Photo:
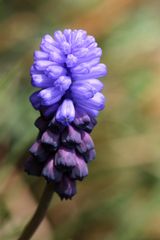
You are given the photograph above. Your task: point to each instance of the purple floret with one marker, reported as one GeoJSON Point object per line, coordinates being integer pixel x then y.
{"type": "Point", "coordinates": [65, 71]}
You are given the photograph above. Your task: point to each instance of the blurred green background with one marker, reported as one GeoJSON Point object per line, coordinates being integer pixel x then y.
{"type": "Point", "coordinates": [120, 199]}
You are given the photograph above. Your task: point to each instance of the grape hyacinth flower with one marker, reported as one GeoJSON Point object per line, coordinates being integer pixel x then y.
{"type": "Point", "coordinates": [65, 71]}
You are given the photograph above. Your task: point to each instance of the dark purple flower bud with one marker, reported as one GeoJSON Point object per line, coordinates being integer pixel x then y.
{"type": "Point", "coordinates": [33, 167]}
{"type": "Point", "coordinates": [89, 127]}
{"type": "Point", "coordinates": [90, 155]}
{"type": "Point", "coordinates": [38, 151]}
{"type": "Point", "coordinates": [80, 170]}
{"type": "Point", "coordinates": [71, 136]}
{"type": "Point", "coordinates": [41, 124]}
{"type": "Point", "coordinates": [56, 127]}
{"type": "Point", "coordinates": [86, 144]}
{"type": "Point", "coordinates": [81, 119]}
{"type": "Point", "coordinates": [65, 157]}
{"type": "Point", "coordinates": [50, 172]}
{"type": "Point", "coordinates": [66, 188]}
{"type": "Point", "coordinates": [51, 139]}
{"type": "Point", "coordinates": [49, 111]}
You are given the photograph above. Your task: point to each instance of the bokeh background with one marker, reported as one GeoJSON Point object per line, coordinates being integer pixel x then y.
{"type": "Point", "coordinates": [120, 199]}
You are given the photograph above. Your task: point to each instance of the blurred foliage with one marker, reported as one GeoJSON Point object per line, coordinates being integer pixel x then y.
{"type": "Point", "coordinates": [4, 212]}
{"type": "Point", "coordinates": [120, 200]}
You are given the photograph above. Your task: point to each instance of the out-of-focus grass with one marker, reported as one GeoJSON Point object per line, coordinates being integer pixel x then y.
{"type": "Point", "coordinates": [120, 198]}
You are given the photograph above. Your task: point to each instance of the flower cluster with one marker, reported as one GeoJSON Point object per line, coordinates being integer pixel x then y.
{"type": "Point", "coordinates": [66, 71]}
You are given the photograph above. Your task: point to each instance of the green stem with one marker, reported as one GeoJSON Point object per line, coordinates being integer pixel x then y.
{"type": "Point", "coordinates": [39, 214]}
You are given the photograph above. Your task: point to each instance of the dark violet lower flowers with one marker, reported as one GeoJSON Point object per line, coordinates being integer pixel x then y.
{"type": "Point", "coordinates": [66, 71]}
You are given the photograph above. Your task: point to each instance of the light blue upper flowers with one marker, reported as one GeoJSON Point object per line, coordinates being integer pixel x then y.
{"type": "Point", "coordinates": [66, 69]}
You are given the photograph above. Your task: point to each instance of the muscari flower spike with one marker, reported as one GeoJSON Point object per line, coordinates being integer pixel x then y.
{"type": "Point", "coordinates": [66, 71]}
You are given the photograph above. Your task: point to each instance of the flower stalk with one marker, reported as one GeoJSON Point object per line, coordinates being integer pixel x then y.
{"type": "Point", "coordinates": [39, 214]}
